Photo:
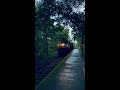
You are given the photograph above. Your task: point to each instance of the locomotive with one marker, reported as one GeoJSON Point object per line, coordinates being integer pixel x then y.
{"type": "Point", "coordinates": [64, 47]}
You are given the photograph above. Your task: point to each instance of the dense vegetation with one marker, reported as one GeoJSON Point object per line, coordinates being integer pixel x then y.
{"type": "Point", "coordinates": [51, 18]}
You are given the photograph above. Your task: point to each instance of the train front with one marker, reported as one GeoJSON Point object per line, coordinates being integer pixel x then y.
{"type": "Point", "coordinates": [63, 48]}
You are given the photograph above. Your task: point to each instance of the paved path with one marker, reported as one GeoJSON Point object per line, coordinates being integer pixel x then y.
{"type": "Point", "coordinates": [71, 76]}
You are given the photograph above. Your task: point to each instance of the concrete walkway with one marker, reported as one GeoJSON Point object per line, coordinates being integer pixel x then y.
{"type": "Point", "coordinates": [70, 77]}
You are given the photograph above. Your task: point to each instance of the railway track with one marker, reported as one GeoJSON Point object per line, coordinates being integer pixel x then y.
{"type": "Point", "coordinates": [43, 70]}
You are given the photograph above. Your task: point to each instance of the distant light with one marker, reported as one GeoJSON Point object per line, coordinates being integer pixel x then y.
{"type": "Point", "coordinates": [67, 45]}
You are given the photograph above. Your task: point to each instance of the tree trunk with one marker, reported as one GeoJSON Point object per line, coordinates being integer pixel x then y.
{"type": "Point", "coordinates": [46, 44]}
{"type": "Point", "coordinates": [82, 41]}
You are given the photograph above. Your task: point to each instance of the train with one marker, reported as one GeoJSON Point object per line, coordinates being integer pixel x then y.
{"type": "Point", "coordinates": [65, 46]}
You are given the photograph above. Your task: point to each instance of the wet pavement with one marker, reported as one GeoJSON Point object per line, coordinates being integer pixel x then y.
{"type": "Point", "coordinates": [71, 76]}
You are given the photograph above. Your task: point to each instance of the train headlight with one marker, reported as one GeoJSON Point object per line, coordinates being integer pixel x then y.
{"type": "Point", "coordinates": [62, 45]}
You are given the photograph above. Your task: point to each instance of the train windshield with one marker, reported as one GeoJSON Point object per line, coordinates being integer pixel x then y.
{"type": "Point", "coordinates": [63, 41]}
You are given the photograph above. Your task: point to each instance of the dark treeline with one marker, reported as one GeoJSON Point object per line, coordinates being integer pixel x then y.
{"type": "Point", "coordinates": [51, 17]}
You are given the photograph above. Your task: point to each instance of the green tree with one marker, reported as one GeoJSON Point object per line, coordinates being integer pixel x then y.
{"type": "Point", "coordinates": [46, 33]}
